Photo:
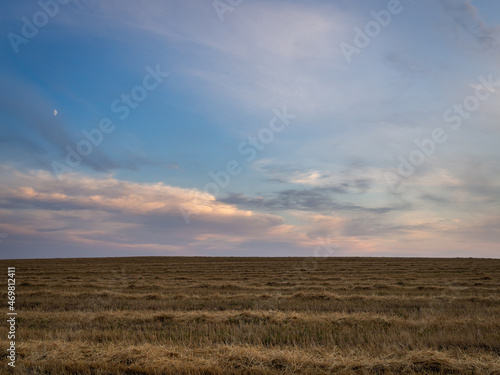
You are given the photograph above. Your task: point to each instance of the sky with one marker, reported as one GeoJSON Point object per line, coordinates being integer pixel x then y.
{"type": "Point", "coordinates": [249, 128]}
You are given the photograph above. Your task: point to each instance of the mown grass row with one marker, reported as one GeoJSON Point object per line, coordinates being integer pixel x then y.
{"type": "Point", "coordinates": [42, 357]}
{"type": "Point", "coordinates": [373, 333]}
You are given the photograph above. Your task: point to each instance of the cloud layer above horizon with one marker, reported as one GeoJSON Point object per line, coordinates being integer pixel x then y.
{"type": "Point", "coordinates": [166, 128]}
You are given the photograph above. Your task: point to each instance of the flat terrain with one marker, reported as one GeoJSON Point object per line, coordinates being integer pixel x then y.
{"type": "Point", "coordinates": [178, 315]}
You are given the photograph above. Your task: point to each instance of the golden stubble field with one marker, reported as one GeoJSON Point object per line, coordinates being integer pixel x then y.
{"type": "Point", "coordinates": [174, 315]}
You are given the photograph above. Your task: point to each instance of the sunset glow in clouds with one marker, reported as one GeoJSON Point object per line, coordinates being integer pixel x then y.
{"type": "Point", "coordinates": [267, 128]}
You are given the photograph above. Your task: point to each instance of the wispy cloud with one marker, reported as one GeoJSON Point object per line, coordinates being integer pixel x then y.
{"type": "Point", "coordinates": [467, 16]}
{"type": "Point", "coordinates": [277, 52]}
{"type": "Point", "coordinates": [323, 200]}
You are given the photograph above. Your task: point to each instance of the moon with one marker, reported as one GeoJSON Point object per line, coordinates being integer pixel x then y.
{"type": "Point", "coordinates": [55, 112]}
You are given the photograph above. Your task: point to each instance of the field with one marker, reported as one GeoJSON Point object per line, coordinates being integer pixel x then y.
{"type": "Point", "coordinates": [174, 315]}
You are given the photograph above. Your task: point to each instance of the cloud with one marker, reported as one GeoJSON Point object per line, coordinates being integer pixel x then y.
{"type": "Point", "coordinates": [83, 215]}
{"type": "Point", "coordinates": [314, 200]}
{"type": "Point", "coordinates": [264, 54]}
{"type": "Point", "coordinates": [355, 178]}
{"type": "Point", "coordinates": [467, 16]}
{"type": "Point", "coordinates": [287, 58]}
{"type": "Point", "coordinates": [109, 214]}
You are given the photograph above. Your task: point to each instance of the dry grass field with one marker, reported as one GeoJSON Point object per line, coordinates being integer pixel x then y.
{"type": "Point", "coordinates": [170, 315]}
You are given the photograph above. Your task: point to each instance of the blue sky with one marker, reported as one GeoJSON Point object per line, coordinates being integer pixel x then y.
{"type": "Point", "coordinates": [316, 150]}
